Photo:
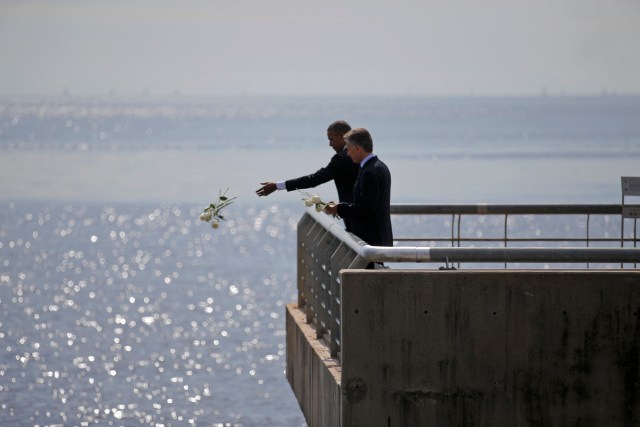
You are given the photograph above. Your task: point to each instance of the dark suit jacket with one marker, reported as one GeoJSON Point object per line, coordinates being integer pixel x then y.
{"type": "Point", "coordinates": [340, 169]}
{"type": "Point", "coordinates": [370, 210]}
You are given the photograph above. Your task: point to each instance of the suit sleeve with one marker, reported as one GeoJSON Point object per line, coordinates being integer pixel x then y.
{"type": "Point", "coordinates": [325, 174]}
{"type": "Point", "coordinates": [368, 200]}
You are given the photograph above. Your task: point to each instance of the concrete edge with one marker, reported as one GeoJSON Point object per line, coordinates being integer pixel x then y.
{"type": "Point", "coordinates": [320, 349]}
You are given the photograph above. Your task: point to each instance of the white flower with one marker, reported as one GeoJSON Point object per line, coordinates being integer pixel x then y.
{"type": "Point", "coordinates": [213, 212]}
{"type": "Point", "coordinates": [315, 200]}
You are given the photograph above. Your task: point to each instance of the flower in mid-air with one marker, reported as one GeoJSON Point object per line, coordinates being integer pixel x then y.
{"type": "Point", "coordinates": [213, 211]}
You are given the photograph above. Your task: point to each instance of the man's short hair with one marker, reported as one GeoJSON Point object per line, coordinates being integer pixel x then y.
{"type": "Point", "coordinates": [361, 137]}
{"type": "Point", "coordinates": [340, 127]}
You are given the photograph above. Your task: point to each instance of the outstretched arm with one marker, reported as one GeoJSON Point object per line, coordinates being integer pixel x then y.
{"type": "Point", "coordinates": [336, 167]}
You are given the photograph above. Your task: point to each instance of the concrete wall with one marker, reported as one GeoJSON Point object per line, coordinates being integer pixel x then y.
{"type": "Point", "coordinates": [313, 375]}
{"type": "Point", "coordinates": [489, 348]}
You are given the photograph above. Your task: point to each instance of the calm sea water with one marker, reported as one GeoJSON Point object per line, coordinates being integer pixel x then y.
{"type": "Point", "coordinates": [119, 307]}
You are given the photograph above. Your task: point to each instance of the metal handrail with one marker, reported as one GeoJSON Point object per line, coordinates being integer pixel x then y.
{"type": "Point", "coordinates": [502, 209]}
{"type": "Point", "coordinates": [479, 254]}
{"type": "Point", "coordinates": [506, 210]}
{"type": "Point", "coordinates": [523, 255]}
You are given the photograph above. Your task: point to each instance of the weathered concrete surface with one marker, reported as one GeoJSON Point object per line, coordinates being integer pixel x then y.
{"type": "Point", "coordinates": [490, 348]}
{"type": "Point", "coordinates": [313, 375]}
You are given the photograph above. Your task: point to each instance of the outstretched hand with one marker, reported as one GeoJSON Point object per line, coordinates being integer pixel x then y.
{"type": "Point", "coordinates": [266, 189]}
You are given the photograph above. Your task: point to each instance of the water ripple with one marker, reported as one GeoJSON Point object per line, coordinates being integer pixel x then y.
{"type": "Point", "coordinates": [122, 315]}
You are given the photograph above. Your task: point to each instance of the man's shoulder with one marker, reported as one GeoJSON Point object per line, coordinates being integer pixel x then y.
{"type": "Point", "coordinates": [375, 164]}
{"type": "Point", "coordinates": [380, 162]}
{"type": "Point", "coordinates": [341, 156]}
{"type": "Point", "coordinates": [343, 160]}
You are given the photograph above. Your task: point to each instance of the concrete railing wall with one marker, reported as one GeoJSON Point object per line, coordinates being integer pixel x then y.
{"type": "Point", "coordinates": [324, 248]}
{"type": "Point", "coordinates": [466, 347]}
{"type": "Point", "coordinates": [474, 348]}
{"type": "Point", "coordinates": [490, 348]}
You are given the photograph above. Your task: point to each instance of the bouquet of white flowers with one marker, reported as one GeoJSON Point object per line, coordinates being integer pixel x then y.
{"type": "Point", "coordinates": [314, 200]}
{"type": "Point", "coordinates": [213, 211]}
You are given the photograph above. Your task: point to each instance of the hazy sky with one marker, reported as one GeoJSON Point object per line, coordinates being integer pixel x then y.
{"type": "Point", "coordinates": [296, 47]}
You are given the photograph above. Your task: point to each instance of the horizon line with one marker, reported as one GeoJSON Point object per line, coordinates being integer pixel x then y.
{"type": "Point", "coordinates": [214, 96]}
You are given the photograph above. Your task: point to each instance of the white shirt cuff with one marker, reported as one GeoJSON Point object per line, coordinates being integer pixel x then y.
{"type": "Point", "coordinates": [281, 185]}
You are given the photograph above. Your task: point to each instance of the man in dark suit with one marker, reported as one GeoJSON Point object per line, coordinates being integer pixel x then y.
{"type": "Point", "coordinates": [369, 211]}
{"type": "Point", "coordinates": [340, 169]}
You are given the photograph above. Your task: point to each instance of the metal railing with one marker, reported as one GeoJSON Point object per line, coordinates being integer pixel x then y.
{"type": "Point", "coordinates": [505, 211]}
{"type": "Point", "coordinates": [325, 248]}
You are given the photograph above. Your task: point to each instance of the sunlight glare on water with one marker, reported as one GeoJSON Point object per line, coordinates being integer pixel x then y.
{"type": "Point", "coordinates": [120, 313]}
